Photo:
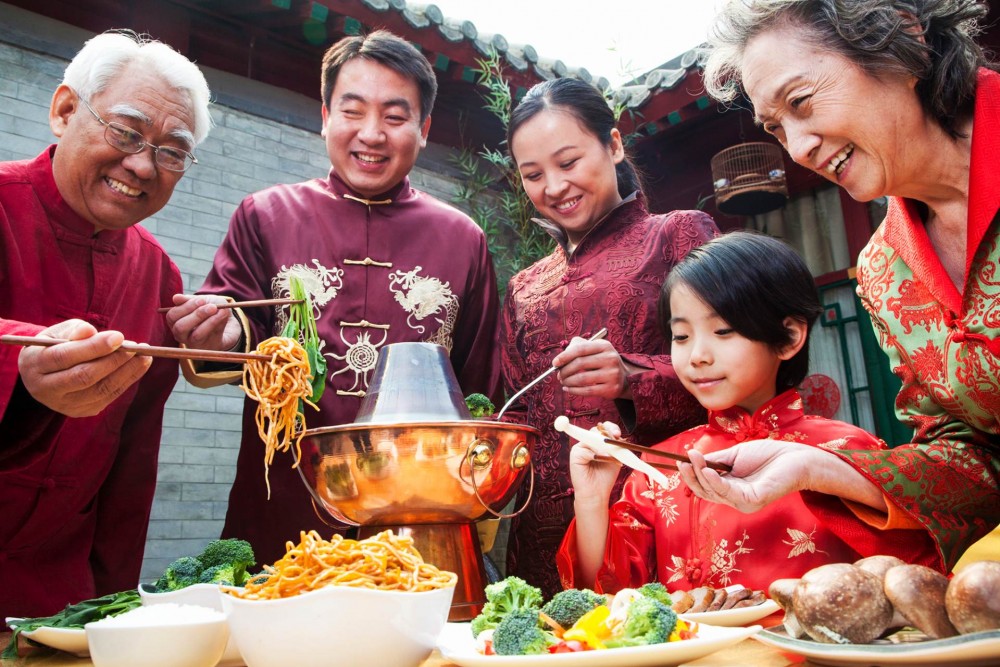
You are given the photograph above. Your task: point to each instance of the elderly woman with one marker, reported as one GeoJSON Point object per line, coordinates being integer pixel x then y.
{"type": "Point", "coordinates": [892, 98]}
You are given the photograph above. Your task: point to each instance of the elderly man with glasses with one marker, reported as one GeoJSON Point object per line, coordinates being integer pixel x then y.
{"type": "Point", "coordinates": [80, 422]}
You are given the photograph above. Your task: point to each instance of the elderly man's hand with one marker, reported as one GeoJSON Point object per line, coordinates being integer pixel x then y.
{"type": "Point", "coordinates": [196, 322]}
{"type": "Point", "coordinates": [79, 379]}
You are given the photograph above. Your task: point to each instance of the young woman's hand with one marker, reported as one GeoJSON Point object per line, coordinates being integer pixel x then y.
{"type": "Point", "coordinates": [593, 368]}
{"type": "Point", "coordinates": [766, 470]}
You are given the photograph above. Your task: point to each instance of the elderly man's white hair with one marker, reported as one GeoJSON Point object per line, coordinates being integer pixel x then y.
{"type": "Point", "coordinates": [107, 54]}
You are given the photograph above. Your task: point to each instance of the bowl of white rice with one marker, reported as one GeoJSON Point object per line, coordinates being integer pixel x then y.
{"type": "Point", "coordinates": [204, 595]}
{"type": "Point", "coordinates": [162, 635]}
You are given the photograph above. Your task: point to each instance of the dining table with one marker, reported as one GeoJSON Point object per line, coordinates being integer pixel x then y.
{"type": "Point", "coordinates": [748, 653]}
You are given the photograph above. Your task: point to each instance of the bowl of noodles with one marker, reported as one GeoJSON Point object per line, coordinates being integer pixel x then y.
{"type": "Point", "coordinates": [353, 603]}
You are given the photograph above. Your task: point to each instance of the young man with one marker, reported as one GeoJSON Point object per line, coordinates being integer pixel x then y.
{"type": "Point", "coordinates": [80, 422]}
{"type": "Point", "coordinates": [383, 263]}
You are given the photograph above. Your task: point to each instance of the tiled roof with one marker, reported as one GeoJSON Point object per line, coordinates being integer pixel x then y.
{"type": "Point", "coordinates": [526, 61]}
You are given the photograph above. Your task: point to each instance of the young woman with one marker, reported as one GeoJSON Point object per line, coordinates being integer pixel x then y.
{"type": "Point", "coordinates": [738, 311]}
{"type": "Point", "coordinates": [611, 259]}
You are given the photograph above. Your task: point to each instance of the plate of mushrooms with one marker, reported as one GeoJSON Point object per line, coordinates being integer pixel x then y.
{"type": "Point", "coordinates": [881, 611]}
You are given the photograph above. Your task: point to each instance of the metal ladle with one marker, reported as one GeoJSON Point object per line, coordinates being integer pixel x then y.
{"type": "Point", "coordinates": [510, 401]}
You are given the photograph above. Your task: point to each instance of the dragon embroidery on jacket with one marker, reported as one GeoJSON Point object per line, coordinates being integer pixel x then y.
{"type": "Point", "coordinates": [423, 297]}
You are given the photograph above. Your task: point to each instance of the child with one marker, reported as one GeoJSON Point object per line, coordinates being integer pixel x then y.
{"type": "Point", "coordinates": [738, 311]}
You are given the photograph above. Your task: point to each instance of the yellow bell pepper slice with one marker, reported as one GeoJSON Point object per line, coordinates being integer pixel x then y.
{"type": "Point", "coordinates": [590, 628]}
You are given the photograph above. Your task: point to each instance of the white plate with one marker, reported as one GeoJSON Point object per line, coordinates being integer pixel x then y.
{"type": "Point", "coordinates": [457, 645]}
{"type": "Point", "coordinates": [71, 640]}
{"type": "Point", "coordinates": [731, 618]}
{"type": "Point", "coordinates": [973, 650]}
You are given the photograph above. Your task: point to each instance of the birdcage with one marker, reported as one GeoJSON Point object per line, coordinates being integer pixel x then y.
{"type": "Point", "coordinates": [749, 178]}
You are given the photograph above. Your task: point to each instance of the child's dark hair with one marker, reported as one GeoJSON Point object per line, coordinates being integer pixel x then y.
{"type": "Point", "coordinates": [586, 103]}
{"type": "Point", "coordinates": [753, 282]}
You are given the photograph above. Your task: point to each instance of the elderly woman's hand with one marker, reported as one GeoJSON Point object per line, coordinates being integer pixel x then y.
{"type": "Point", "coordinates": [593, 368]}
{"type": "Point", "coordinates": [765, 470]}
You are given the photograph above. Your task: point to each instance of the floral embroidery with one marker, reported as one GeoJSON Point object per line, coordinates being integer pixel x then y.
{"type": "Point", "coordinates": [724, 559]}
{"type": "Point", "coordinates": [801, 543]}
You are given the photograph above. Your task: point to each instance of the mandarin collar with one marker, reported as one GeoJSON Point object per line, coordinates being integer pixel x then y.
{"type": "Point", "coordinates": [775, 415]}
{"type": "Point", "coordinates": [399, 192]}
{"type": "Point", "coordinates": [57, 209]}
{"type": "Point", "coordinates": [559, 234]}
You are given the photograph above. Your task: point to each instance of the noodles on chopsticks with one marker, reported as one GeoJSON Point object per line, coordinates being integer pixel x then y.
{"type": "Point", "coordinates": [384, 561]}
{"type": "Point", "coordinates": [280, 386]}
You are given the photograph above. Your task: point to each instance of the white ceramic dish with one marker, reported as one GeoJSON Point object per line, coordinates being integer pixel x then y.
{"type": "Point", "coordinates": [732, 618]}
{"type": "Point", "coordinates": [190, 642]}
{"type": "Point", "coordinates": [980, 649]}
{"type": "Point", "coordinates": [71, 640]}
{"type": "Point", "coordinates": [204, 595]}
{"type": "Point", "coordinates": [458, 646]}
{"type": "Point", "coordinates": [339, 625]}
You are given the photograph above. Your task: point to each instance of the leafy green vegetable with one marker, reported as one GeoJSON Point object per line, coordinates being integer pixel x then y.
{"type": "Point", "coordinates": [566, 607]}
{"type": "Point", "coordinates": [302, 326]}
{"type": "Point", "coordinates": [74, 616]}
{"type": "Point", "coordinates": [503, 597]}
{"type": "Point", "coordinates": [183, 572]}
{"type": "Point", "coordinates": [479, 405]}
{"type": "Point", "coordinates": [518, 633]}
{"type": "Point", "coordinates": [649, 621]}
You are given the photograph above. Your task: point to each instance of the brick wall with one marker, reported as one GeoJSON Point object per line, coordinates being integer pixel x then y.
{"type": "Point", "coordinates": [263, 136]}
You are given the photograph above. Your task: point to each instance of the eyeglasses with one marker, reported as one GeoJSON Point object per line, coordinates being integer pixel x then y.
{"type": "Point", "coordinates": [128, 140]}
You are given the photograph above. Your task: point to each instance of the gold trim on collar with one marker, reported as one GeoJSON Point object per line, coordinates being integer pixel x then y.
{"type": "Point", "coordinates": [365, 324]}
{"type": "Point", "coordinates": [368, 202]}
{"type": "Point", "coordinates": [368, 261]}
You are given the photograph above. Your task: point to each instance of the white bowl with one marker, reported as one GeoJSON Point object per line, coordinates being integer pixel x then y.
{"type": "Point", "coordinates": [193, 643]}
{"type": "Point", "coordinates": [204, 595]}
{"type": "Point", "coordinates": [341, 625]}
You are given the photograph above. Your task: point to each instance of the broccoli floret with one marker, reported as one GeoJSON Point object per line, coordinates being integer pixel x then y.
{"type": "Point", "coordinates": [183, 572]}
{"type": "Point", "coordinates": [648, 622]}
{"type": "Point", "coordinates": [238, 554]}
{"type": "Point", "coordinates": [657, 591]}
{"type": "Point", "coordinates": [218, 574]}
{"type": "Point", "coordinates": [567, 606]}
{"type": "Point", "coordinates": [519, 634]}
{"type": "Point", "coordinates": [504, 597]}
{"type": "Point", "coordinates": [479, 405]}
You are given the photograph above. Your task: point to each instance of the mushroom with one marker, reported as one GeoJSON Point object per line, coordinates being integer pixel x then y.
{"type": "Point", "coordinates": [917, 592]}
{"type": "Point", "coordinates": [841, 604]}
{"type": "Point", "coordinates": [878, 565]}
{"type": "Point", "coordinates": [973, 597]}
{"type": "Point", "coordinates": [781, 591]}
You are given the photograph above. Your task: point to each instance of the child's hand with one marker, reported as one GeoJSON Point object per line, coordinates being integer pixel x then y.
{"type": "Point", "coordinates": [593, 478]}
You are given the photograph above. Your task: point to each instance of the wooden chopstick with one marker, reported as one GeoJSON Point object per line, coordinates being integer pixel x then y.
{"type": "Point", "coordinates": [244, 304]}
{"type": "Point", "coordinates": [611, 459]}
{"type": "Point", "coordinates": [723, 467]}
{"type": "Point", "coordinates": [148, 350]}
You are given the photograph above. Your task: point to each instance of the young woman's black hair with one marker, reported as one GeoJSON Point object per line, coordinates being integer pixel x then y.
{"type": "Point", "coordinates": [753, 282]}
{"type": "Point", "coordinates": [584, 102]}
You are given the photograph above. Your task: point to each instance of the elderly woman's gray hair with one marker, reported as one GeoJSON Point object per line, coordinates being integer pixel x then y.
{"type": "Point", "coordinates": [103, 57]}
{"type": "Point", "coordinates": [933, 40]}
